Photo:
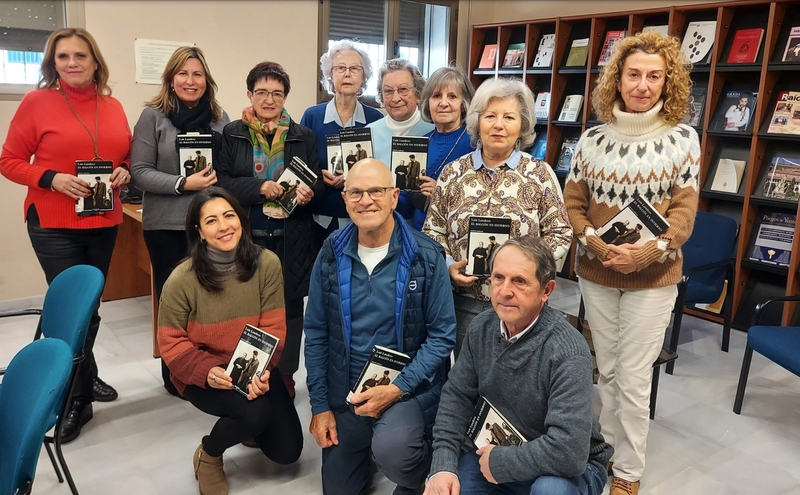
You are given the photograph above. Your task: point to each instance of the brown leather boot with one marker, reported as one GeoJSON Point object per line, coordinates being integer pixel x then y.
{"type": "Point", "coordinates": [624, 487]}
{"type": "Point", "coordinates": [209, 473]}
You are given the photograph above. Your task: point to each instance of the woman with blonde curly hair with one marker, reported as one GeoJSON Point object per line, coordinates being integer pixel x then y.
{"type": "Point", "coordinates": [629, 290]}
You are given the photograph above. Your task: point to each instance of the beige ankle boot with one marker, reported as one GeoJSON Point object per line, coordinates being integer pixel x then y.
{"type": "Point", "coordinates": [208, 471]}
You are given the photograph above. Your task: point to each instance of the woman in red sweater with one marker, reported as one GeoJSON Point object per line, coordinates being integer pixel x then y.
{"type": "Point", "coordinates": [70, 118]}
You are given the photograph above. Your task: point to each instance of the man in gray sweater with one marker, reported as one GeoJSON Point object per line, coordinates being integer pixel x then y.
{"type": "Point", "coordinates": [536, 369]}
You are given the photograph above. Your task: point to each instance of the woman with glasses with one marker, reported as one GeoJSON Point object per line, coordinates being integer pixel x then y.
{"type": "Point", "coordinates": [346, 69]}
{"type": "Point", "coordinates": [255, 151]}
{"type": "Point", "coordinates": [400, 86]}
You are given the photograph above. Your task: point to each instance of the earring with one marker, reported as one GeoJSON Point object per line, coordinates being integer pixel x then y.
{"type": "Point", "coordinates": [202, 240]}
{"type": "Point", "coordinates": [478, 144]}
{"type": "Point", "coordinates": [518, 144]}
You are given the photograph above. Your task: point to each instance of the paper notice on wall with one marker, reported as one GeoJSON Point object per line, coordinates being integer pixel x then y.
{"type": "Point", "coordinates": [151, 58]}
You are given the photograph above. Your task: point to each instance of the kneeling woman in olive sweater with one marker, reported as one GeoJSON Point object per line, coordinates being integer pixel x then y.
{"type": "Point", "coordinates": [226, 282]}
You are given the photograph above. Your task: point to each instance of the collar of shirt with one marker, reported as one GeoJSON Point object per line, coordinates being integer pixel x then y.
{"type": "Point", "coordinates": [512, 162]}
{"type": "Point", "coordinates": [504, 330]}
{"type": "Point", "coordinates": [331, 115]}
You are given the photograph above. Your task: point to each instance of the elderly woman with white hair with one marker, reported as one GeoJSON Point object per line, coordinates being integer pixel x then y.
{"type": "Point", "coordinates": [498, 179]}
{"type": "Point", "coordinates": [346, 69]}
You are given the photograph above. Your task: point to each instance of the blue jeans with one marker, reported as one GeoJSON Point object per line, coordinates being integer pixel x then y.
{"type": "Point", "coordinates": [591, 482]}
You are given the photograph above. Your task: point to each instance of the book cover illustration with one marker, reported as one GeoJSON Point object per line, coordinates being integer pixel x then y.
{"type": "Point", "coordinates": [488, 57]}
{"type": "Point", "coordinates": [542, 108]}
{"type": "Point", "coordinates": [728, 175]}
{"type": "Point", "coordinates": [697, 101]}
{"type": "Point", "coordinates": [735, 112]}
{"type": "Point", "coordinates": [783, 179]}
{"type": "Point", "coordinates": [544, 54]}
{"type": "Point", "coordinates": [635, 224]}
{"type": "Point", "coordinates": [485, 235]}
{"type": "Point", "coordinates": [792, 51]}
{"type": "Point", "coordinates": [335, 158]}
{"type": "Point", "coordinates": [698, 41]}
{"type": "Point", "coordinates": [565, 155]}
{"type": "Point", "coordinates": [194, 151]}
{"type": "Point", "coordinates": [773, 242]}
{"type": "Point", "coordinates": [383, 366]}
{"type": "Point", "coordinates": [539, 149]}
{"type": "Point", "coordinates": [515, 55]}
{"type": "Point", "coordinates": [101, 197]}
{"type": "Point", "coordinates": [745, 46]}
{"type": "Point", "coordinates": [578, 53]}
{"type": "Point", "coordinates": [251, 357]}
{"type": "Point", "coordinates": [295, 173]}
{"type": "Point", "coordinates": [409, 161]}
{"type": "Point", "coordinates": [786, 116]}
{"type": "Point", "coordinates": [489, 427]}
{"type": "Point", "coordinates": [356, 145]}
{"type": "Point", "coordinates": [571, 108]}
{"type": "Point", "coordinates": [612, 37]}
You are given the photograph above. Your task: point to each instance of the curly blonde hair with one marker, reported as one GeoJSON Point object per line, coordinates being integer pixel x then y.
{"type": "Point", "coordinates": [677, 86]}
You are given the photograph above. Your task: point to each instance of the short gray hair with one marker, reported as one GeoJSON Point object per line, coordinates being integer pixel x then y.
{"type": "Point", "coordinates": [326, 63]}
{"type": "Point", "coordinates": [396, 64]}
{"type": "Point", "coordinates": [447, 76]}
{"type": "Point", "coordinates": [498, 89]}
{"type": "Point", "coordinates": [536, 250]}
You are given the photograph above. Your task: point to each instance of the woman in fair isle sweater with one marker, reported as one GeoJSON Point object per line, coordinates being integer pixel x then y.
{"type": "Point", "coordinates": [629, 292]}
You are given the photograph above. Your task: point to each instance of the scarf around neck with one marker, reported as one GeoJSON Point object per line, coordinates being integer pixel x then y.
{"type": "Point", "coordinates": [196, 119]}
{"type": "Point", "coordinates": [267, 158]}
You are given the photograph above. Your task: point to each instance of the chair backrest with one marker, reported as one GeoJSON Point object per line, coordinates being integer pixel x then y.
{"type": "Point", "coordinates": [713, 239]}
{"type": "Point", "coordinates": [32, 384]}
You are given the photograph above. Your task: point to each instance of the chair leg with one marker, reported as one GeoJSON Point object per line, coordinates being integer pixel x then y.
{"type": "Point", "coordinates": [654, 392]}
{"type": "Point", "coordinates": [676, 334]}
{"type": "Point", "coordinates": [64, 467]}
{"type": "Point", "coordinates": [748, 356]}
{"type": "Point", "coordinates": [726, 324]}
{"type": "Point", "coordinates": [53, 459]}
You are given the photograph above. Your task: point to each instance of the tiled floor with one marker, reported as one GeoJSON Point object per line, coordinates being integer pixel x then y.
{"type": "Point", "coordinates": [143, 442]}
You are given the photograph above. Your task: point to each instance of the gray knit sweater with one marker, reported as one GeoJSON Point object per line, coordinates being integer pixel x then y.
{"type": "Point", "coordinates": [542, 384]}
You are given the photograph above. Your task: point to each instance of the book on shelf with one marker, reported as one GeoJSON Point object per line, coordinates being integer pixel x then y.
{"type": "Point", "coordinates": [792, 51]}
{"type": "Point", "coordinates": [515, 56]}
{"type": "Point", "coordinates": [786, 116]}
{"type": "Point", "coordinates": [571, 108]}
{"type": "Point", "coordinates": [773, 241]}
{"type": "Point", "coordinates": [335, 158]}
{"type": "Point", "coordinates": [745, 46]}
{"type": "Point", "coordinates": [539, 149]}
{"type": "Point", "coordinates": [565, 155]}
{"type": "Point", "coordinates": [484, 236]}
{"type": "Point", "coordinates": [698, 41]}
{"type": "Point", "coordinates": [735, 112]}
{"type": "Point", "coordinates": [635, 224]}
{"type": "Point", "coordinates": [542, 107]}
{"type": "Point", "coordinates": [544, 54]}
{"type": "Point", "coordinates": [251, 357]}
{"type": "Point", "coordinates": [662, 29]}
{"type": "Point", "coordinates": [194, 152]}
{"type": "Point", "coordinates": [101, 197]}
{"type": "Point", "coordinates": [295, 174]}
{"type": "Point", "coordinates": [382, 367]}
{"type": "Point", "coordinates": [728, 175]}
{"type": "Point", "coordinates": [612, 37]}
{"type": "Point", "coordinates": [783, 179]}
{"type": "Point", "coordinates": [578, 53]}
{"type": "Point", "coordinates": [489, 427]}
{"type": "Point", "coordinates": [488, 56]}
{"type": "Point", "coordinates": [409, 161]}
{"type": "Point", "coordinates": [697, 101]}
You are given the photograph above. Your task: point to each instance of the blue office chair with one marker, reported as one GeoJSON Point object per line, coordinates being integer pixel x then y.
{"type": "Point", "coordinates": [32, 387]}
{"type": "Point", "coordinates": [776, 343]}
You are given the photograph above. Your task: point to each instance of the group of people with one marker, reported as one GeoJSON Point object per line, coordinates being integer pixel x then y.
{"type": "Point", "coordinates": [380, 266]}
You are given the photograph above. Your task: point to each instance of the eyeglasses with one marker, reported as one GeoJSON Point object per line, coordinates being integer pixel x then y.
{"type": "Point", "coordinates": [388, 93]}
{"type": "Point", "coordinates": [374, 193]}
{"type": "Point", "coordinates": [261, 94]}
{"type": "Point", "coordinates": [353, 69]}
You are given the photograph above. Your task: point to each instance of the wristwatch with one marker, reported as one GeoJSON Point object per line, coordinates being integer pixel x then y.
{"type": "Point", "coordinates": [181, 185]}
{"type": "Point", "coordinates": [404, 396]}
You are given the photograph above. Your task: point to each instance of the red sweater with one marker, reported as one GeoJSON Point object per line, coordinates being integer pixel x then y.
{"type": "Point", "coordinates": [46, 128]}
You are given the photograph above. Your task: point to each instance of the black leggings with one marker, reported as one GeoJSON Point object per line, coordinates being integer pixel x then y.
{"type": "Point", "coordinates": [270, 419]}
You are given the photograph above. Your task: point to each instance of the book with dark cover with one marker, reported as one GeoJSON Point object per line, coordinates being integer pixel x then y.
{"type": "Point", "coordinates": [745, 46]}
{"type": "Point", "coordinates": [786, 116]}
{"type": "Point", "coordinates": [612, 37]}
{"type": "Point", "coordinates": [101, 197]}
{"type": "Point", "coordinates": [565, 156]}
{"type": "Point", "coordinates": [635, 224]}
{"type": "Point", "coordinates": [515, 55]}
{"type": "Point", "coordinates": [194, 152]}
{"type": "Point", "coordinates": [773, 241]}
{"type": "Point", "coordinates": [792, 51]}
{"type": "Point", "coordinates": [578, 53]}
{"type": "Point", "coordinates": [335, 159]}
{"type": "Point", "coordinates": [356, 144]}
{"type": "Point", "coordinates": [539, 149]}
{"type": "Point", "coordinates": [488, 56]}
{"type": "Point", "coordinates": [295, 173]}
{"type": "Point", "coordinates": [697, 101]}
{"type": "Point", "coordinates": [698, 41]}
{"type": "Point", "coordinates": [383, 366]}
{"type": "Point", "coordinates": [251, 357]}
{"type": "Point", "coordinates": [783, 179]}
{"type": "Point", "coordinates": [409, 161]}
{"type": "Point", "coordinates": [544, 54]}
{"type": "Point", "coordinates": [489, 427]}
{"type": "Point", "coordinates": [735, 113]}
{"type": "Point", "coordinates": [485, 235]}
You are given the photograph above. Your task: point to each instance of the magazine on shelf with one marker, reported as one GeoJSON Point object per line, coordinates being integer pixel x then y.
{"type": "Point", "coordinates": [697, 101]}
{"type": "Point", "coordinates": [662, 29]}
{"type": "Point", "coordinates": [485, 235]}
{"type": "Point", "coordinates": [612, 37]}
{"type": "Point", "coordinates": [539, 149]}
{"type": "Point", "coordinates": [488, 56]}
{"type": "Point", "coordinates": [698, 41]}
{"type": "Point", "coordinates": [295, 173]}
{"type": "Point", "coordinates": [383, 366]}
{"type": "Point", "coordinates": [578, 52]}
{"type": "Point", "coordinates": [735, 112]}
{"type": "Point", "coordinates": [409, 161]}
{"type": "Point", "coordinates": [786, 116]}
{"type": "Point", "coordinates": [194, 152]}
{"type": "Point", "coordinates": [542, 107]}
{"type": "Point", "coordinates": [335, 160]}
{"type": "Point", "coordinates": [728, 175]}
{"type": "Point", "coordinates": [544, 54]}
{"type": "Point", "coordinates": [101, 197]}
{"type": "Point", "coordinates": [783, 179]}
{"type": "Point", "coordinates": [571, 108]}
{"type": "Point", "coordinates": [489, 427]}
{"type": "Point", "coordinates": [515, 56]}
{"type": "Point", "coordinates": [792, 51]}
{"type": "Point", "coordinates": [635, 224]}
{"type": "Point", "coordinates": [745, 46]}
{"type": "Point", "coordinates": [773, 241]}
{"type": "Point", "coordinates": [251, 357]}
{"type": "Point", "coordinates": [565, 155]}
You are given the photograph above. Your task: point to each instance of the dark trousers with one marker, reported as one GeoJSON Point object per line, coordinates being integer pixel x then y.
{"type": "Point", "coordinates": [59, 249]}
{"type": "Point", "coordinates": [270, 419]}
{"type": "Point", "coordinates": [166, 248]}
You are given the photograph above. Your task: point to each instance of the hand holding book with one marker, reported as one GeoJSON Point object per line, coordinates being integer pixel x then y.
{"type": "Point", "coordinates": [621, 259]}
{"type": "Point", "coordinates": [374, 401]}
